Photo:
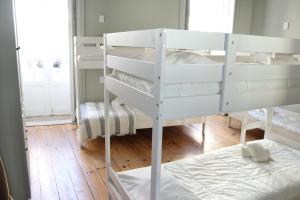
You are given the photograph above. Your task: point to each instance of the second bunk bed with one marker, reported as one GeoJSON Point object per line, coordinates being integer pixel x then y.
{"type": "Point", "coordinates": [125, 119]}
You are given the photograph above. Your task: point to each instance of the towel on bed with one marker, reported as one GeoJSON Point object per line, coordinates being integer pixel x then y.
{"type": "Point", "coordinates": [92, 122]}
{"type": "Point", "coordinates": [256, 151]}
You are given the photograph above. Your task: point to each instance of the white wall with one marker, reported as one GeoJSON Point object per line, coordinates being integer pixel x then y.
{"type": "Point", "coordinates": [269, 16]}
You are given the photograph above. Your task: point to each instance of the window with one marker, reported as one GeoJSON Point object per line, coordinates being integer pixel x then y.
{"type": "Point", "coordinates": [211, 15]}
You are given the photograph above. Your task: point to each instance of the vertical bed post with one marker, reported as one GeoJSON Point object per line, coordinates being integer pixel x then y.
{"type": "Point", "coordinates": [268, 124]}
{"type": "Point", "coordinates": [230, 61]}
{"type": "Point", "coordinates": [244, 128]}
{"type": "Point", "coordinates": [160, 54]}
{"type": "Point", "coordinates": [106, 108]}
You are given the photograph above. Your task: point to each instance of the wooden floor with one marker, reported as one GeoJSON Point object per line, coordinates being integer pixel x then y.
{"type": "Point", "coordinates": [59, 169]}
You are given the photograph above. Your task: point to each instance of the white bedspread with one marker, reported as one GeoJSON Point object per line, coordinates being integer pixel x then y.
{"type": "Point", "coordinates": [223, 175]}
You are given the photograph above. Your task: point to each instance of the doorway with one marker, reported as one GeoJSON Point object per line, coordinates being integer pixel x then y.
{"type": "Point", "coordinates": [44, 39]}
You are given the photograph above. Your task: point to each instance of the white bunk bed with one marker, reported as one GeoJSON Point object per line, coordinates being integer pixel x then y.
{"type": "Point", "coordinates": [124, 119]}
{"type": "Point", "coordinates": [209, 176]}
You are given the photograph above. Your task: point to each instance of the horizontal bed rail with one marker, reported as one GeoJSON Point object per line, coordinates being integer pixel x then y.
{"type": "Point", "coordinates": [176, 39]}
{"type": "Point", "coordinates": [182, 39]}
{"type": "Point", "coordinates": [138, 68]}
{"type": "Point", "coordinates": [262, 99]}
{"type": "Point", "coordinates": [191, 106]}
{"type": "Point", "coordinates": [193, 73]}
{"type": "Point", "coordinates": [144, 38]}
{"type": "Point", "coordinates": [251, 43]}
{"type": "Point", "coordinates": [264, 72]}
{"type": "Point", "coordinates": [133, 96]}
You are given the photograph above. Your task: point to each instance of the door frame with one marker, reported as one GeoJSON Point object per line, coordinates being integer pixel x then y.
{"type": "Point", "coordinates": [72, 4]}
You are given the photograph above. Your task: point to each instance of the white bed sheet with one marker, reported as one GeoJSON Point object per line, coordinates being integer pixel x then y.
{"type": "Point", "coordinates": [223, 175]}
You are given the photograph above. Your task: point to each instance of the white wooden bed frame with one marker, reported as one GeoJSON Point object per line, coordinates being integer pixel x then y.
{"type": "Point", "coordinates": [160, 73]}
{"type": "Point", "coordinates": [85, 46]}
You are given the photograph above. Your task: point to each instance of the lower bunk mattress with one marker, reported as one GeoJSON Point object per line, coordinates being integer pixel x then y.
{"type": "Point", "coordinates": [124, 120]}
{"type": "Point", "coordinates": [223, 175]}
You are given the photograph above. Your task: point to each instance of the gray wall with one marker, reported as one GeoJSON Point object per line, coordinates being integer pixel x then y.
{"type": "Point", "coordinates": [12, 147]}
{"type": "Point", "coordinates": [125, 15]}
{"type": "Point", "coordinates": [269, 16]}
{"type": "Point", "coordinates": [243, 16]}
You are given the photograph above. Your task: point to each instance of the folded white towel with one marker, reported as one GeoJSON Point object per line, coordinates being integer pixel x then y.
{"type": "Point", "coordinates": [256, 151]}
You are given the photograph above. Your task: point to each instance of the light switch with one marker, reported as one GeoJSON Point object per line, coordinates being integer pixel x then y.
{"type": "Point", "coordinates": [101, 18]}
{"type": "Point", "coordinates": [286, 26]}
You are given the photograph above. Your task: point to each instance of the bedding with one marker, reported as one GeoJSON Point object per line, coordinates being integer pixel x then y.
{"type": "Point", "coordinates": [92, 123]}
{"type": "Point", "coordinates": [124, 120]}
{"type": "Point", "coordinates": [223, 175]}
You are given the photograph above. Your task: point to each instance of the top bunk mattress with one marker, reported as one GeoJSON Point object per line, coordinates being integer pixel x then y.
{"type": "Point", "coordinates": [223, 174]}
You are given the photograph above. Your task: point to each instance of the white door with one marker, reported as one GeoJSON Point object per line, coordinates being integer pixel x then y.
{"type": "Point", "coordinates": [43, 32]}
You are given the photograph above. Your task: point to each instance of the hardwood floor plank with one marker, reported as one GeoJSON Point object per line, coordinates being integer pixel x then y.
{"type": "Point", "coordinates": [64, 184]}
{"type": "Point", "coordinates": [80, 184]}
{"type": "Point", "coordinates": [49, 188]}
{"type": "Point", "coordinates": [95, 182]}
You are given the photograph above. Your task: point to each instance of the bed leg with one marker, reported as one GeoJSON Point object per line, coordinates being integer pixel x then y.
{"type": "Point", "coordinates": [203, 129]}
{"type": "Point", "coordinates": [244, 128]}
{"type": "Point", "coordinates": [229, 121]}
{"type": "Point", "coordinates": [82, 147]}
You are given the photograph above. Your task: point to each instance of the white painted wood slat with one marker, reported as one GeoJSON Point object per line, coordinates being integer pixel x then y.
{"type": "Point", "coordinates": [193, 73]}
{"type": "Point", "coordinates": [251, 43]}
{"type": "Point", "coordinates": [194, 106]}
{"type": "Point", "coordinates": [138, 68]}
{"type": "Point", "coordinates": [144, 38]}
{"type": "Point", "coordinates": [264, 72]}
{"type": "Point", "coordinates": [262, 99]}
{"type": "Point", "coordinates": [132, 96]}
{"type": "Point", "coordinates": [182, 39]}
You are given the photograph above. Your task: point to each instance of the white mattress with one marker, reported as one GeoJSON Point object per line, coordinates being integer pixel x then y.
{"type": "Point", "coordinates": [209, 88]}
{"type": "Point", "coordinates": [223, 175]}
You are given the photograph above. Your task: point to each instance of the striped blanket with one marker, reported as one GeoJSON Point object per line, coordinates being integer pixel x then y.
{"type": "Point", "coordinates": [92, 122]}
